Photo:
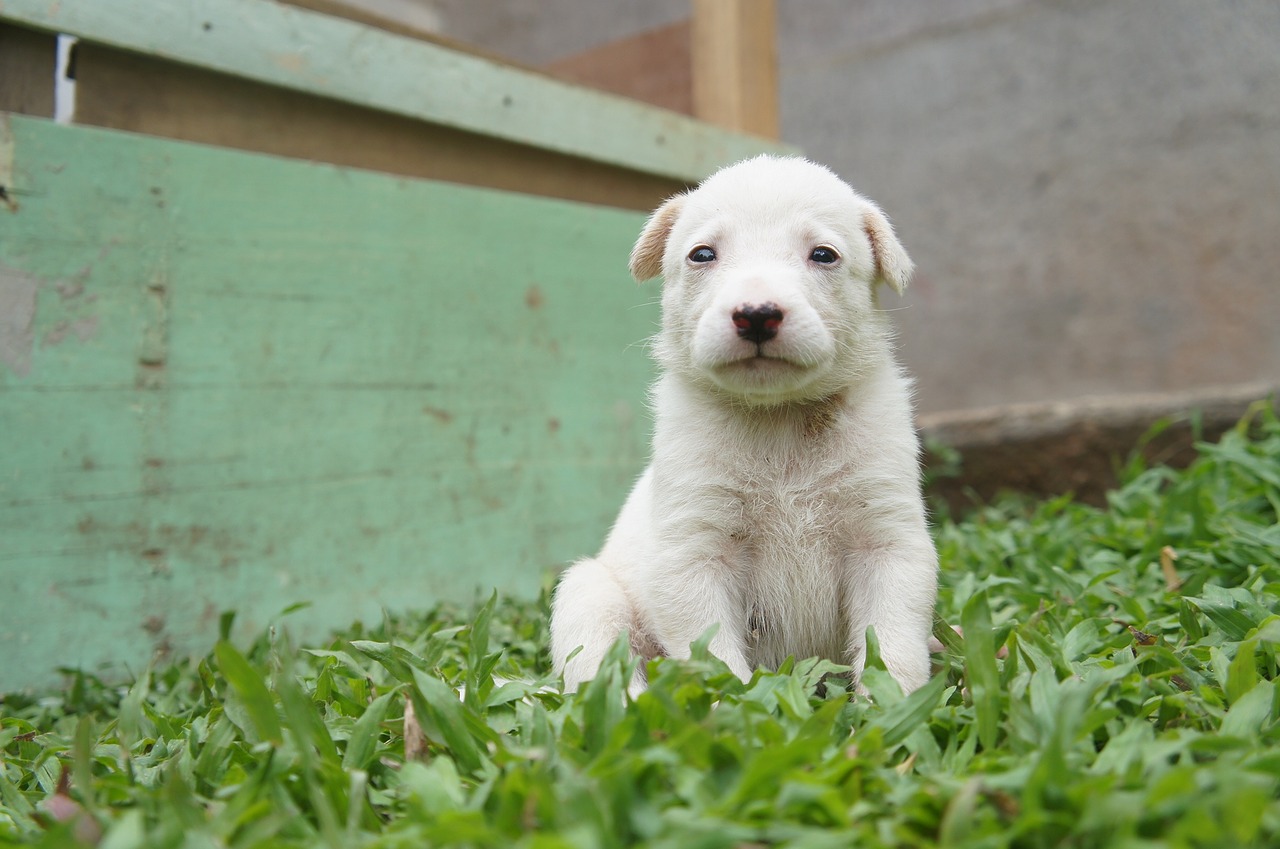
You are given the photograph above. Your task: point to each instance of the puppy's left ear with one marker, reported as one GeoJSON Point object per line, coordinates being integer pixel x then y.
{"type": "Point", "coordinates": [646, 256]}
{"type": "Point", "coordinates": [893, 266]}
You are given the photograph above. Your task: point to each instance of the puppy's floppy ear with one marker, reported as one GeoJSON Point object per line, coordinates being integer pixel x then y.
{"type": "Point", "coordinates": [646, 256]}
{"type": "Point", "coordinates": [893, 266]}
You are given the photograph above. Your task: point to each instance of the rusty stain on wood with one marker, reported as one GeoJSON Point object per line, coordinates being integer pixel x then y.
{"type": "Point", "coordinates": [533, 297]}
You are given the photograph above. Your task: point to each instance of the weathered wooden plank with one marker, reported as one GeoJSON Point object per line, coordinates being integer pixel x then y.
{"type": "Point", "coordinates": [735, 65]}
{"type": "Point", "coordinates": [389, 17]}
{"type": "Point", "coordinates": [129, 91]}
{"type": "Point", "coordinates": [27, 64]}
{"type": "Point", "coordinates": [248, 382]}
{"type": "Point", "coordinates": [297, 49]}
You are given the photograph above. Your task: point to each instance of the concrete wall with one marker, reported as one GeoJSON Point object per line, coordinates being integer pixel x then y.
{"type": "Point", "coordinates": [1091, 190]}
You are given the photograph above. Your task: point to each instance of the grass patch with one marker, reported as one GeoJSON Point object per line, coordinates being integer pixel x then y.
{"type": "Point", "coordinates": [1115, 686]}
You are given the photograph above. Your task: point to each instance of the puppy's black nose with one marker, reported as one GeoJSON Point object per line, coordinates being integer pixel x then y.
{"type": "Point", "coordinates": [757, 322]}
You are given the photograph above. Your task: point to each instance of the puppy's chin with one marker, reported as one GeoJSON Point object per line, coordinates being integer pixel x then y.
{"type": "Point", "coordinates": [765, 379]}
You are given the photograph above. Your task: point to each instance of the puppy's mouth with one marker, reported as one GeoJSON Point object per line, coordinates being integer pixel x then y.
{"type": "Point", "coordinates": [761, 357]}
{"type": "Point", "coordinates": [768, 349]}
{"type": "Point", "coordinates": [760, 360]}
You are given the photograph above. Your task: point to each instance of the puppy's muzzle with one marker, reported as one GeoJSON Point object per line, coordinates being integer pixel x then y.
{"type": "Point", "coordinates": [757, 323]}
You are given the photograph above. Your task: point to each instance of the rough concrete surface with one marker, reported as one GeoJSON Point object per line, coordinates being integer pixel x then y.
{"type": "Point", "coordinates": [1091, 189]}
{"type": "Point", "coordinates": [1075, 446]}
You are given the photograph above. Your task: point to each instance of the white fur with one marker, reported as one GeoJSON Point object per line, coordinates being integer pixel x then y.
{"type": "Point", "coordinates": [782, 502]}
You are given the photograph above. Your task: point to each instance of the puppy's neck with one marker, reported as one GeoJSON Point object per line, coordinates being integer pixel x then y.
{"type": "Point", "coordinates": [810, 418]}
{"type": "Point", "coordinates": [819, 416]}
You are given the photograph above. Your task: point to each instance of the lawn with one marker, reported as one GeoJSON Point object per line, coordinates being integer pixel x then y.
{"type": "Point", "coordinates": [1115, 686]}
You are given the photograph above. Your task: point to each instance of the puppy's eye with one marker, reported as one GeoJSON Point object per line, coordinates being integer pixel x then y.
{"type": "Point", "coordinates": [702, 253]}
{"type": "Point", "coordinates": [824, 255]}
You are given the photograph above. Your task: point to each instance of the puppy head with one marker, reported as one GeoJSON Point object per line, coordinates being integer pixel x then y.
{"type": "Point", "coordinates": [769, 268]}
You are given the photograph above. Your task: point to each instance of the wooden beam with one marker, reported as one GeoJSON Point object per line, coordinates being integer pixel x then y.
{"type": "Point", "coordinates": [735, 65]}
{"type": "Point", "coordinates": [293, 48]}
{"type": "Point", "coordinates": [142, 94]}
{"type": "Point", "coordinates": [388, 20]}
{"type": "Point", "coordinates": [381, 18]}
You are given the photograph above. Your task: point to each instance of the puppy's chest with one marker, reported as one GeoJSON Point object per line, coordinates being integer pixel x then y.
{"type": "Point", "coordinates": [804, 514]}
{"type": "Point", "coordinates": [792, 543]}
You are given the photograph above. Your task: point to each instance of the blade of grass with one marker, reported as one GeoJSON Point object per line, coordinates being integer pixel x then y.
{"type": "Point", "coordinates": [399, 661]}
{"type": "Point", "coordinates": [980, 667]}
{"type": "Point", "coordinates": [248, 685]}
{"type": "Point", "coordinates": [1242, 674]}
{"type": "Point", "coordinates": [477, 646]}
{"type": "Point", "coordinates": [438, 708]}
{"type": "Point", "coordinates": [362, 745]}
{"type": "Point", "coordinates": [1251, 713]}
{"type": "Point", "coordinates": [82, 761]}
{"type": "Point", "coordinates": [899, 721]}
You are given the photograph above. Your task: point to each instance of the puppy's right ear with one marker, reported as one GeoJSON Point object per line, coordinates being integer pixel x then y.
{"type": "Point", "coordinates": [646, 256]}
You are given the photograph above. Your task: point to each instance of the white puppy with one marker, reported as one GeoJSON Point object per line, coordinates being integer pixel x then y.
{"type": "Point", "coordinates": [783, 501]}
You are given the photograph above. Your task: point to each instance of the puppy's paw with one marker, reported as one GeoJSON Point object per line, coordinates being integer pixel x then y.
{"type": "Point", "coordinates": [909, 665]}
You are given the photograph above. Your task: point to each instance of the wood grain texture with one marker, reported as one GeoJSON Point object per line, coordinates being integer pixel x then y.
{"type": "Point", "coordinates": [28, 61]}
{"type": "Point", "coordinates": [297, 49]}
{"type": "Point", "coordinates": [735, 65]}
{"type": "Point", "coordinates": [249, 382]}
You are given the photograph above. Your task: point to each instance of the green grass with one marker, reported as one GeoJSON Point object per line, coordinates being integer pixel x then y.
{"type": "Point", "coordinates": [1130, 706]}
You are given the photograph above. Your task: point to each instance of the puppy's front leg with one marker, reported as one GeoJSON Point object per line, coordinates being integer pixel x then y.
{"type": "Point", "coordinates": [694, 586]}
{"type": "Point", "coordinates": [893, 591]}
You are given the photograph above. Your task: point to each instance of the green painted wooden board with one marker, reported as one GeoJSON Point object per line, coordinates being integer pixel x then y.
{"type": "Point", "coordinates": [229, 381]}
